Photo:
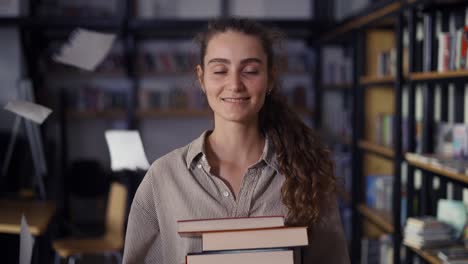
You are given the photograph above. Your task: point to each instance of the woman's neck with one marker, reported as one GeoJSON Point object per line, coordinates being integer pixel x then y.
{"type": "Point", "coordinates": [236, 144]}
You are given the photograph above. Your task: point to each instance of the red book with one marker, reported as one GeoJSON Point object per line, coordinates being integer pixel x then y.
{"type": "Point", "coordinates": [464, 49]}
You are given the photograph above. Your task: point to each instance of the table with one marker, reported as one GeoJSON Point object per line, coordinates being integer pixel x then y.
{"type": "Point", "coordinates": [38, 215]}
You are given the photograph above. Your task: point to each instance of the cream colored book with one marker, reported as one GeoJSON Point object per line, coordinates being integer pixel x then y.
{"type": "Point", "coordinates": [244, 257]}
{"type": "Point", "coordinates": [255, 238]}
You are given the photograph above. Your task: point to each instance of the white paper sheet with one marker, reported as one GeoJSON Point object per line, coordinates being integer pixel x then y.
{"type": "Point", "coordinates": [28, 110]}
{"type": "Point", "coordinates": [126, 150]}
{"type": "Point", "coordinates": [85, 49]}
{"type": "Point", "coordinates": [9, 8]}
{"type": "Point", "coordinates": [26, 243]}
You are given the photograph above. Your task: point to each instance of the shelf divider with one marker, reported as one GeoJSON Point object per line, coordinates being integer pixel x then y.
{"type": "Point", "coordinates": [380, 219]}
{"type": "Point", "coordinates": [427, 76]}
{"type": "Point", "coordinates": [432, 168]}
{"type": "Point", "coordinates": [377, 149]}
{"type": "Point", "coordinates": [427, 256]}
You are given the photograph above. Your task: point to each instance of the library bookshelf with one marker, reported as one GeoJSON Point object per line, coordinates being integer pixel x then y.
{"type": "Point", "coordinates": [408, 96]}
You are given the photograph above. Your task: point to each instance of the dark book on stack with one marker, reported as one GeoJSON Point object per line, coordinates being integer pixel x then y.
{"type": "Point", "coordinates": [195, 227]}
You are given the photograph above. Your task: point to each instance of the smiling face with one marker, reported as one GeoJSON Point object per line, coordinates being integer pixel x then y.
{"type": "Point", "coordinates": [234, 76]}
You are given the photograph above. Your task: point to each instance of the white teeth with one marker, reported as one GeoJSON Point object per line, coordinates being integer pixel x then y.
{"type": "Point", "coordinates": [235, 100]}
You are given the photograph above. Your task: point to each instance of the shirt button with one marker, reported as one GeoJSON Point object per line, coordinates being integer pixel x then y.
{"type": "Point", "coordinates": [225, 193]}
{"type": "Point", "coordinates": [199, 166]}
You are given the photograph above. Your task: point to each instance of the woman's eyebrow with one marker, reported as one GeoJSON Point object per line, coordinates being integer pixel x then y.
{"type": "Point", "coordinates": [244, 61]}
{"type": "Point", "coordinates": [219, 60]}
{"type": "Point", "coordinates": [248, 60]}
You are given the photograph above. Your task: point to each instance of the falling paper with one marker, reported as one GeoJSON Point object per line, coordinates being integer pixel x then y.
{"type": "Point", "coordinates": [9, 8]}
{"type": "Point", "coordinates": [26, 242]}
{"type": "Point", "coordinates": [28, 110]}
{"type": "Point", "coordinates": [86, 49]}
{"type": "Point", "coordinates": [126, 150]}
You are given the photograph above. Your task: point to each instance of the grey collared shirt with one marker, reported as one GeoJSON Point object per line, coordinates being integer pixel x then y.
{"type": "Point", "coordinates": [179, 186]}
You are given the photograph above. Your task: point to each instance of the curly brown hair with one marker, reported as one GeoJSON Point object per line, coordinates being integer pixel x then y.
{"type": "Point", "coordinates": [301, 156]}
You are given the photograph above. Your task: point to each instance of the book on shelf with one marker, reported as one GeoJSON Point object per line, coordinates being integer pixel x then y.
{"type": "Point", "coordinates": [196, 227]}
{"type": "Point", "coordinates": [337, 66]}
{"type": "Point", "coordinates": [429, 61]}
{"type": "Point", "coordinates": [407, 134]}
{"type": "Point", "coordinates": [167, 57]}
{"type": "Point", "coordinates": [419, 47]}
{"type": "Point", "coordinates": [444, 138]}
{"type": "Point", "coordinates": [377, 250]}
{"type": "Point", "coordinates": [173, 98]}
{"type": "Point", "coordinates": [259, 256]}
{"type": "Point", "coordinates": [464, 47]}
{"type": "Point", "coordinates": [423, 222]}
{"type": "Point", "coordinates": [437, 232]}
{"type": "Point", "coordinates": [379, 192]}
{"type": "Point", "coordinates": [386, 63]}
{"type": "Point", "coordinates": [370, 250]}
{"type": "Point", "coordinates": [443, 58]}
{"type": "Point", "coordinates": [386, 249]}
{"type": "Point", "coordinates": [451, 29]}
{"type": "Point", "coordinates": [460, 141]}
{"type": "Point", "coordinates": [427, 232]}
{"type": "Point", "coordinates": [450, 254]}
{"type": "Point", "coordinates": [97, 98]}
{"type": "Point", "coordinates": [428, 237]}
{"type": "Point", "coordinates": [427, 244]}
{"type": "Point", "coordinates": [255, 238]}
{"type": "Point", "coordinates": [384, 129]}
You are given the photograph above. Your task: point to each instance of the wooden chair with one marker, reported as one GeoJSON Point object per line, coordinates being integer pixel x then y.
{"type": "Point", "coordinates": [111, 243]}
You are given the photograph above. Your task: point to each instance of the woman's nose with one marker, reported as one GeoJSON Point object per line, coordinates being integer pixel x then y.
{"type": "Point", "coordinates": [235, 82]}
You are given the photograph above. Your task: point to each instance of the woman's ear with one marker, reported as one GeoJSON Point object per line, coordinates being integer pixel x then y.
{"type": "Point", "coordinates": [200, 77]}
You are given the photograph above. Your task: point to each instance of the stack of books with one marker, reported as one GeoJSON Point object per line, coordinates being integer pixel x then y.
{"type": "Point", "coordinates": [453, 255]}
{"type": "Point", "coordinates": [427, 232]}
{"type": "Point", "coordinates": [249, 240]}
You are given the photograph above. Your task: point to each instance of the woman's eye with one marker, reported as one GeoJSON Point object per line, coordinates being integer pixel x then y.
{"type": "Point", "coordinates": [220, 72]}
{"type": "Point", "coordinates": [250, 70]}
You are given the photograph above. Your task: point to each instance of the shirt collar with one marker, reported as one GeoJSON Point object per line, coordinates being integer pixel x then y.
{"type": "Point", "coordinates": [197, 148]}
{"type": "Point", "coordinates": [269, 154]}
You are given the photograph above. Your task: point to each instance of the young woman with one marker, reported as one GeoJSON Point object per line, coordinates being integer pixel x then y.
{"type": "Point", "coordinates": [260, 158]}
